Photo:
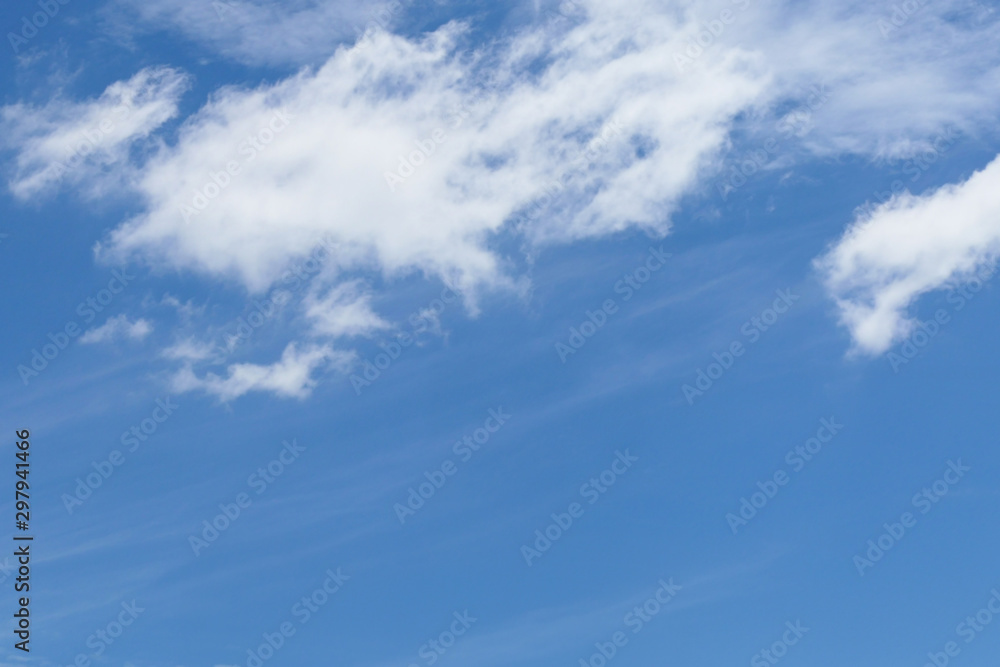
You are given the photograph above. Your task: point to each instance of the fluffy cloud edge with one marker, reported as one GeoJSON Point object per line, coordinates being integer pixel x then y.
{"type": "Point", "coordinates": [289, 377]}
{"type": "Point", "coordinates": [907, 247]}
{"type": "Point", "coordinates": [117, 328]}
{"type": "Point", "coordinates": [69, 141]}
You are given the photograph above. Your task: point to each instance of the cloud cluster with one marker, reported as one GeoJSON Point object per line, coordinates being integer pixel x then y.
{"type": "Point", "coordinates": [897, 74]}
{"type": "Point", "coordinates": [291, 32]}
{"type": "Point", "coordinates": [290, 377]}
{"type": "Point", "coordinates": [412, 155]}
{"type": "Point", "coordinates": [343, 311]}
{"type": "Point", "coordinates": [909, 246]}
{"type": "Point", "coordinates": [117, 328]}
{"type": "Point", "coordinates": [76, 142]}
{"type": "Point", "coordinates": [423, 155]}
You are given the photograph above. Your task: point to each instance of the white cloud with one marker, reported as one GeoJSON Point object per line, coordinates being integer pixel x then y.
{"type": "Point", "coordinates": [77, 141]}
{"type": "Point", "coordinates": [255, 32]}
{"type": "Point", "coordinates": [189, 350]}
{"type": "Point", "coordinates": [291, 377]}
{"type": "Point", "coordinates": [116, 328]}
{"type": "Point", "coordinates": [891, 87]}
{"type": "Point", "coordinates": [909, 246]}
{"type": "Point", "coordinates": [423, 155]}
{"type": "Point", "coordinates": [343, 311]}
{"type": "Point", "coordinates": [187, 310]}
{"type": "Point", "coordinates": [914, 67]}
{"type": "Point", "coordinates": [600, 104]}
{"type": "Point", "coordinates": [629, 148]}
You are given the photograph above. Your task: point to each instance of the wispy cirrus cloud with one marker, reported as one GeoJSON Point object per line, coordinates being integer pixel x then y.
{"type": "Point", "coordinates": [116, 328]}
{"type": "Point", "coordinates": [81, 143]}
{"type": "Point", "coordinates": [290, 377]}
{"type": "Point", "coordinates": [250, 31]}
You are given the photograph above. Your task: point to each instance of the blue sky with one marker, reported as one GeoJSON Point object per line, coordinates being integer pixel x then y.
{"type": "Point", "coordinates": [304, 278]}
